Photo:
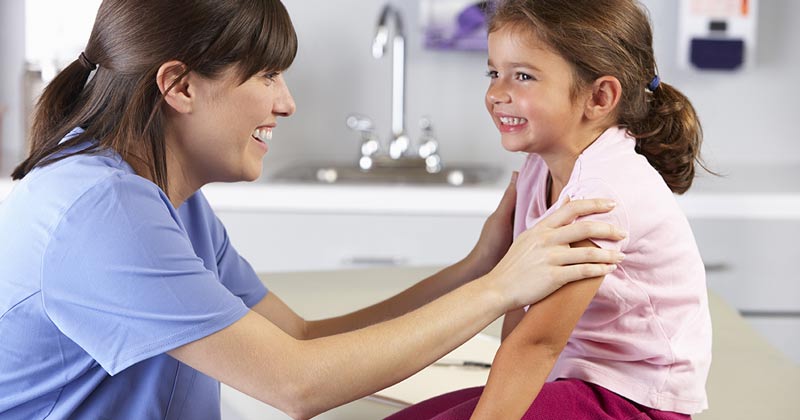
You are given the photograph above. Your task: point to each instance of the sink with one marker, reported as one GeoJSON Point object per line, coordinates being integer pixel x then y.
{"type": "Point", "coordinates": [455, 175]}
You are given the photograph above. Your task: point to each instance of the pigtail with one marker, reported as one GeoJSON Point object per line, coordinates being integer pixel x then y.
{"type": "Point", "coordinates": [669, 136]}
{"type": "Point", "coordinates": [55, 110]}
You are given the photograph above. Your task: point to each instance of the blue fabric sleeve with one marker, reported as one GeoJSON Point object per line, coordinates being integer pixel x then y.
{"type": "Point", "coordinates": [121, 279]}
{"type": "Point", "coordinates": [206, 230]}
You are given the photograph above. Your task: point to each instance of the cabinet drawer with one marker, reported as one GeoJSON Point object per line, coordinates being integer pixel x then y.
{"type": "Point", "coordinates": [275, 242]}
{"type": "Point", "coordinates": [781, 332]}
{"type": "Point", "coordinates": [752, 264]}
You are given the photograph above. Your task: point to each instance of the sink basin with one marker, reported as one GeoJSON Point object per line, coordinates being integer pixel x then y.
{"type": "Point", "coordinates": [457, 175]}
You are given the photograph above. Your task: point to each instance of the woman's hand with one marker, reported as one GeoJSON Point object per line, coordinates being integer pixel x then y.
{"type": "Point", "coordinates": [497, 233]}
{"type": "Point", "coordinates": [541, 260]}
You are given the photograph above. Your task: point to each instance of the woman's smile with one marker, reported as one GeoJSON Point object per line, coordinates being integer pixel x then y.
{"type": "Point", "coordinates": [261, 135]}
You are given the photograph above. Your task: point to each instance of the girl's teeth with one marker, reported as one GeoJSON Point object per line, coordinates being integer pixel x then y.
{"type": "Point", "coordinates": [263, 134]}
{"type": "Point", "coordinates": [512, 120]}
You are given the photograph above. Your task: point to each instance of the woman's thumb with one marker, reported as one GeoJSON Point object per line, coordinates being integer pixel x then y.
{"type": "Point", "coordinates": [509, 200]}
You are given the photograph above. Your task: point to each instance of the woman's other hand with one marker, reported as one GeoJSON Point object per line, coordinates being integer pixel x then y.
{"type": "Point", "coordinates": [541, 260]}
{"type": "Point", "coordinates": [497, 233]}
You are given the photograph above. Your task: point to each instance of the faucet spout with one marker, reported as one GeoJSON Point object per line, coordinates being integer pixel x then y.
{"type": "Point", "coordinates": [400, 142]}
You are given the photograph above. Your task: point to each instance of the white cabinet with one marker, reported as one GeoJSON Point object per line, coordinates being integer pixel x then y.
{"type": "Point", "coordinates": [752, 264]}
{"type": "Point", "coordinates": [291, 241]}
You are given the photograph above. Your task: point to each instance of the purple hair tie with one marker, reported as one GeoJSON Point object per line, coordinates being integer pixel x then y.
{"type": "Point", "coordinates": [654, 84]}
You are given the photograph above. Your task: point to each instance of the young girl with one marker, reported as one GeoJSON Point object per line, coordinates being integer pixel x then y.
{"type": "Point", "coordinates": [575, 85]}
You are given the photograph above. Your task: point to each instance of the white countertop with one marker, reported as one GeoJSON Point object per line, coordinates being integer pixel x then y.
{"type": "Point", "coordinates": [747, 192]}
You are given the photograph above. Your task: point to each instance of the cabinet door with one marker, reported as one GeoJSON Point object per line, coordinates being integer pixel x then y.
{"type": "Point", "coordinates": [275, 242]}
{"type": "Point", "coordinates": [752, 264]}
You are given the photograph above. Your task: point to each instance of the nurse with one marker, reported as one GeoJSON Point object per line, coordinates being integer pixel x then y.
{"type": "Point", "coordinates": [121, 295]}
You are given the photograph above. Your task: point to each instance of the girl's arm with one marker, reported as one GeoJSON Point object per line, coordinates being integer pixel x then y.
{"type": "Point", "coordinates": [510, 321]}
{"type": "Point", "coordinates": [528, 353]}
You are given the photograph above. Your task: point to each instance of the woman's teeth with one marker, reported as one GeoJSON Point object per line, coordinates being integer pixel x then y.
{"type": "Point", "coordinates": [512, 120]}
{"type": "Point", "coordinates": [263, 134]}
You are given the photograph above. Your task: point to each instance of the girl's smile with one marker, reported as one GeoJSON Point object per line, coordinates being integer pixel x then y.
{"type": "Point", "coordinates": [510, 124]}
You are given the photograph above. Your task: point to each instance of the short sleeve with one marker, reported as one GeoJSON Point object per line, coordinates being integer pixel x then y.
{"type": "Point", "coordinates": [212, 243]}
{"type": "Point", "coordinates": [121, 279]}
{"type": "Point", "coordinates": [598, 188]}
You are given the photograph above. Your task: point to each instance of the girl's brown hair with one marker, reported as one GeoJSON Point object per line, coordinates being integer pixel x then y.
{"type": "Point", "coordinates": [614, 38]}
{"type": "Point", "coordinates": [120, 105]}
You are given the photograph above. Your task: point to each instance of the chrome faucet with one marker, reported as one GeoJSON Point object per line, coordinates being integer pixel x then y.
{"type": "Point", "coordinates": [399, 142]}
{"type": "Point", "coordinates": [398, 155]}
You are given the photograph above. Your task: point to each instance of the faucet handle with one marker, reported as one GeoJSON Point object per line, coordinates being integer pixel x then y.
{"type": "Point", "coordinates": [369, 141]}
{"type": "Point", "coordinates": [429, 147]}
{"type": "Point", "coordinates": [360, 123]}
{"type": "Point", "coordinates": [427, 142]}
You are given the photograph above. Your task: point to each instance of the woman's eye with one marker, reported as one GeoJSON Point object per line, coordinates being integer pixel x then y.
{"type": "Point", "coordinates": [492, 74]}
{"type": "Point", "coordinates": [270, 75]}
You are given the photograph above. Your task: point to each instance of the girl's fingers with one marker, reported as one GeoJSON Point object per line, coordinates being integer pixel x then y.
{"type": "Point", "coordinates": [574, 209]}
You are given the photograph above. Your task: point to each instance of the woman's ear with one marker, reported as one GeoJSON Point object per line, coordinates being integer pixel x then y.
{"type": "Point", "coordinates": [606, 93]}
{"type": "Point", "coordinates": [173, 82]}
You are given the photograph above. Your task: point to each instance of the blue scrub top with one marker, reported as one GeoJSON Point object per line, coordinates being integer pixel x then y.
{"type": "Point", "coordinates": [100, 276]}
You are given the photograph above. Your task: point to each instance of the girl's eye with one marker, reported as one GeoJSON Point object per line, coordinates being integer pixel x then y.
{"type": "Point", "coordinates": [524, 77]}
{"type": "Point", "coordinates": [492, 74]}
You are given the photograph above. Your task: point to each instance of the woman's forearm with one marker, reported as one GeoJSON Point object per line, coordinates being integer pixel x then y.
{"type": "Point", "coordinates": [425, 291]}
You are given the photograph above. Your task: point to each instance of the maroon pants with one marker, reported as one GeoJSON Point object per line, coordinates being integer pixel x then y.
{"type": "Point", "coordinates": [566, 399]}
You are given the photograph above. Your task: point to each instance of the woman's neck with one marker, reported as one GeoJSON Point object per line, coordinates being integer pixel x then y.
{"type": "Point", "coordinates": [179, 187]}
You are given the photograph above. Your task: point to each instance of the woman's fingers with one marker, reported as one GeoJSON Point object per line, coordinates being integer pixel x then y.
{"type": "Point", "coordinates": [580, 255]}
{"type": "Point", "coordinates": [574, 209]}
{"type": "Point", "coordinates": [575, 272]}
{"type": "Point", "coordinates": [509, 200]}
{"type": "Point", "coordinates": [579, 231]}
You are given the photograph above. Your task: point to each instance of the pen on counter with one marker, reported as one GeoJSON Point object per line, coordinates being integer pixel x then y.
{"type": "Point", "coordinates": [463, 363]}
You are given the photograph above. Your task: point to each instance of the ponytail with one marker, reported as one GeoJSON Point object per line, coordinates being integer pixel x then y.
{"type": "Point", "coordinates": [54, 116]}
{"type": "Point", "coordinates": [669, 136]}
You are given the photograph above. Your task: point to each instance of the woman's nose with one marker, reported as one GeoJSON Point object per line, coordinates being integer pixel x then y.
{"type": "Point", "coordinates": [284, 103]}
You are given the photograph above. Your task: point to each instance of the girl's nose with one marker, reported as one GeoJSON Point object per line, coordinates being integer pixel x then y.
{"type": "Point", "coordinates": [496, 94]}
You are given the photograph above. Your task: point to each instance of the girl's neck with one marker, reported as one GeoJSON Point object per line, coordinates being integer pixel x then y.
{"type": "Point", "coordinates": [560, 163]}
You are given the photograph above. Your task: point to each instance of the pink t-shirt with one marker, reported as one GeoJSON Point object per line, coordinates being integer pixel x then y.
{"type": "Point", "coordinates": [646, 335]}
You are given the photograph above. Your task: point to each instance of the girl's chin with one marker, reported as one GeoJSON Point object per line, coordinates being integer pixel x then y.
{"type": "Point", "coordinates": [513, 145]}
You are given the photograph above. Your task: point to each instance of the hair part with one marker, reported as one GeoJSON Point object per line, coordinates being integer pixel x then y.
{"type": "Point", "coordinates": [121, 106]}
{"type": "Point", "coordinates": [614, 38]}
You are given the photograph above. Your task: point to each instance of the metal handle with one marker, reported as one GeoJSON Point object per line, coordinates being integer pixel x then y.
{"type": "Point", "coordinates": [360, 123]}
{"type": "Point", "coordinates": [373, 261]}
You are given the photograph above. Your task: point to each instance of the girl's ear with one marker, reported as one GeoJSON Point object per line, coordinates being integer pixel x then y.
{"type": "Point", "coordinates": [173, 82]}
{"type": "Point", "coordinates": [606, 93]}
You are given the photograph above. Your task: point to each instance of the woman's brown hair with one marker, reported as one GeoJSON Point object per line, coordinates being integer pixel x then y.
{"type": "Point", "coordinates": [614, 38]}
{"type": "Point", "coordinates": [120, 106]}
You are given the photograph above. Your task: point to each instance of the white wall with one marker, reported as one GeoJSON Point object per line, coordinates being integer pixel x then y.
{"type": "Point", "coordinates": [12, 57]}
{"type": "Point", "coordinates": [748, 117]}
